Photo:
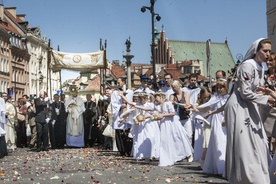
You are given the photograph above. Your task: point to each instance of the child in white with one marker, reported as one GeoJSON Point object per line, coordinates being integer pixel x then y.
{"type": "Point", "coordinates": [202, 125]}
{"type": "Point", "coordinates": [146, 134]}
{"type": "Point", "coordinates": [148, 141]}
{"type": "Point", "coordinates": [175, 144]}
{"type": "Point", "coordinates": [215, 156]}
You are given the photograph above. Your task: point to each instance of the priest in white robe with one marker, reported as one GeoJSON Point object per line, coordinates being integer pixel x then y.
{"type": "Point", "coordinates": [74, 105]}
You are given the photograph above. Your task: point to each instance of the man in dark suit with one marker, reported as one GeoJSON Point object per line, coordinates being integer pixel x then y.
{"type": "Point", "coordinates": [41, 121]}
{"type": "Point", "coordinates": [90, 129]}
{"type": "Point", "coordinates": [57, 127]}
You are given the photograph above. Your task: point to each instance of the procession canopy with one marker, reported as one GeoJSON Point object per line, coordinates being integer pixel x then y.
{"type": "Point", "coordinates": [83, 62]}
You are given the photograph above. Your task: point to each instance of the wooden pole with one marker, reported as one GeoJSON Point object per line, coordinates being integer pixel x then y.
{"type": "Point", "coordinates": [208, 54]}
{"type": "Point", "coordinates": [49, 79]}
{"type": "Point", "coordinates": [105, 65]}
{"type": "Point", "coordinates": [60, 81]}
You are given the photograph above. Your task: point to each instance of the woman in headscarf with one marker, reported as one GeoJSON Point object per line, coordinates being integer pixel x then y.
{"type": "Point", "coordinates": [267, 113]}
{"type": "Point", "coordinates": [247, 154]}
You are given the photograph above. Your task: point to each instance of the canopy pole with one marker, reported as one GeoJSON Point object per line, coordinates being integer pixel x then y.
{"type": "Point", "coordinates": [59, 72]}
{"type": "Point", "coordinates": [49, 78]}
{"type": "Point", "coordinates": [208, 54]}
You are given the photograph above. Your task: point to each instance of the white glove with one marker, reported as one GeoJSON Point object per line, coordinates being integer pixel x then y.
{"type": "Point", "coordinates": [47, 120]}
{"type": "Point", "coordinates": [57, 111]}
{"type": "Point", "coordinates": [46, 99]}
{"type": "Point", "coordinates": [53, 122]}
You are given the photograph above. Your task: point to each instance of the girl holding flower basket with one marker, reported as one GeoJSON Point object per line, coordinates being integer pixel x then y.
{"type": "Point", "coordinates": [174, 142]}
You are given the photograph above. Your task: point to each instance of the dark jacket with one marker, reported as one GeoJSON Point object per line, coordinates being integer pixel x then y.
{"type": "Point", "coordinates": [90, 114]}
{"type": "Point", "coordinates": [62, 114]}
{"type": "Point", "coordinates": [41, 110]}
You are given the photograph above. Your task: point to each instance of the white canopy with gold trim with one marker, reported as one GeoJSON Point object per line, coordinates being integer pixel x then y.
{"type": "Point", "coordinates": [77, 61]}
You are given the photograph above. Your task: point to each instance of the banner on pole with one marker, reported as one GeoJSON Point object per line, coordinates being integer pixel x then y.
{"type": "Point", "coordinates": [77, 61]}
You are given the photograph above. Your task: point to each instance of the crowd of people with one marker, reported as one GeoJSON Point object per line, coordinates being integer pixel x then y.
{"type": "Point", "coordinates": [41, 123]}
{"type": "Point", "coordinates": [227, 126]}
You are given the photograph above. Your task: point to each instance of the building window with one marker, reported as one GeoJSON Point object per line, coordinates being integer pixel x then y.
{"type": "Point", "coordinates": [187, 69]}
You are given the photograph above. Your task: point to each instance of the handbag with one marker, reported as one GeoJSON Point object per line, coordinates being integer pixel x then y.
{"type": "Point", "coordinates": [28, 131]}
{"type": "Point", "coordinates": [21, 117]}
{"type": "Point", "coordinates": [108, 131]}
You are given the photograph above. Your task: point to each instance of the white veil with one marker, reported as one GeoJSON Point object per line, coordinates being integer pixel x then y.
{"type": "Point", "coordinates": [252, 50]}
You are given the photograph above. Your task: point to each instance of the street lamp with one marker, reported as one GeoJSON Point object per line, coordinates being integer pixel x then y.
{"type": "Point", "coordinates": [15, 82]}
{"type": "Point", "coordinates": [40, 79]}
{"type": "Point", "coordinates": [158, 18]}
{"type": "Point", "coordinates": [239, 56]}
{"type": "Point", "coordinates": [15, 77]}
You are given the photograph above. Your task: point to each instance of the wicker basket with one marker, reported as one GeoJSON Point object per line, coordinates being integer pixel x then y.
{"type": "Point", "coordinates": [154, 117]}
{"type": "Point", "coordinates": [140, 118]}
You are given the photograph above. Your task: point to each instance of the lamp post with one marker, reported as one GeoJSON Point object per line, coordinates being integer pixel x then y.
{"type": "Point", "coordinates": [239, 56]}
{"type": "Point", "coordinates": [15, 82]}
{"type": "Point", "coordinates": [36, 86]}
{"type": "Point", "coordinates": [158, 18]}
{"type": "Point", "coordinates": [15, 77]}
{"type": "Point", "coordinates": [40, 79]}
{"type": "Point", "coordinates": [39, 74]}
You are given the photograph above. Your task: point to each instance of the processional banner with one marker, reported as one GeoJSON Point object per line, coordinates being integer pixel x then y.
{"type": "Point", "coordinates": [77, 61]}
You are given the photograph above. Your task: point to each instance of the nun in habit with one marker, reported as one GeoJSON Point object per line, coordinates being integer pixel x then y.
{"type": "Point", "coordinates": [247, 154]}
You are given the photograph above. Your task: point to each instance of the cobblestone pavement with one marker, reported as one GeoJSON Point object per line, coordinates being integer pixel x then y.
{"type": "Point", "coordinates": [90, 165]}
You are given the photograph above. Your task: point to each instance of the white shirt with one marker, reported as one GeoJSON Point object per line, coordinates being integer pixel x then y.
{"type": "Point", "coordinates": [168, 91]}
{"type": "Point", "coordinates": [193, 93]}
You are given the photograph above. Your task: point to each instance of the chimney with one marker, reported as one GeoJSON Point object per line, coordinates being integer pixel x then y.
{"type": "Point", "coordinates": [22, 17]}
{"type": "Point", "coordinates": [1, 12]}
{"type": "Point", "coordinates": [11, 10]}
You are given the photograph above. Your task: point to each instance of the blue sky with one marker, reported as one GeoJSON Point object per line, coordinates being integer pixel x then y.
{"type": "Point", "coordinates": [77, 26]}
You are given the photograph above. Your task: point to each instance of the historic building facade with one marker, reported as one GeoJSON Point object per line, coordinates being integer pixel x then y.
{"type": "Point", "coordinates": [178, 51]}
{"type": "Point", "coordinates": [271, 21]}
{"type": "Point", "coordinates": [24, 57]}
